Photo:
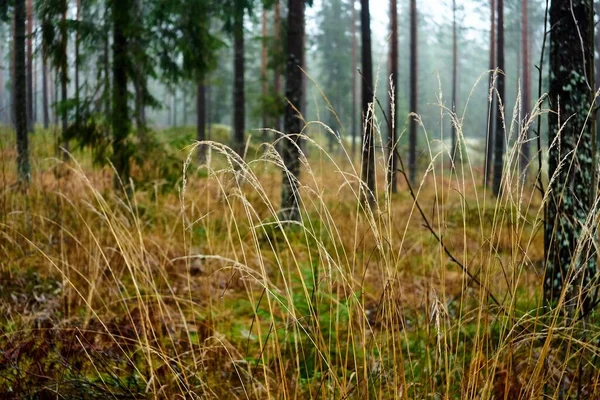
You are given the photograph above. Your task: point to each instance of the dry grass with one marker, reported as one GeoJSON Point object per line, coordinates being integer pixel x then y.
{"type": "Point", "coordinates": [202, 292]}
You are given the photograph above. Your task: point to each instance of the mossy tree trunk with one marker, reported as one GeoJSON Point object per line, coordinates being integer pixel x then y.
{"type": "Point", "coordinates": [569, 236]}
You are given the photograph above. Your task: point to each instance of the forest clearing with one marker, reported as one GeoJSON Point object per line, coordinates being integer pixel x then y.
{"type": "Point", "coordinates": [339, 199]}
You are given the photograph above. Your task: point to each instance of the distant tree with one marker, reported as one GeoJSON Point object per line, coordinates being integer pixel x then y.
{"type": "Point", "coordinates": [570, 237]}
{"type": "Point", "coordinates": [393, 112]}
{"type": "Point", "coordinates": [454, 149]}
{"type": "Point", "coordinates": [30, 117]}
{"type": "Point", "coordinates": [239, 71]}
{"type": "Point", "coordinates": [201, 122]}
{"type": "Point", "coordinates": [278, 49]}
{"type": "Point", "coordinates": [290, 147]}
{"type": "Point", "coordinates": [412, 135]}
{"type": "Point", "coordinates": [526, 85]}
{"type": "Point", "coordinates": [263, 67]}
{"type": "Point", "coordinates": [63, 64]}
{"type": "Point", "coordinates": [368, 147]}
{"type": "Point", "coordinates": [354, 122]}
{"type": "Point", "coordinates": [499, 135]}
{"type": "Point", "coordinates": [20, 88]}
{"type": "Point", "coordinates": [45, 102]}
{"type": "Point", "coordinates": [332, 42]}
{"type": "Point", "coordinates": [491, 123]}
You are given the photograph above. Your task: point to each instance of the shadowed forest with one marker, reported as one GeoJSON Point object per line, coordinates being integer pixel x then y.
{"type": "Point", "coordinates": [299, 199]}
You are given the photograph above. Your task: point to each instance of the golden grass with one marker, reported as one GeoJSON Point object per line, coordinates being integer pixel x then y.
{"type": "Point", "coordinates": [202, 292]}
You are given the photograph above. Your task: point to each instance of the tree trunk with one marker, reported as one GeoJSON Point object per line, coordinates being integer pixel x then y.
{"type": "Point", "coordinates": [45, 92]}
{"type": "Point", "coordinates": [393, 115]}
{"type": "Point", "coordinates": [239, 101]}
{"type": "Point", "coordinates": [368, 150]}
{"type": "Point", "coordinates": [64, 78]}
{"type": "Point", "coordinates": [29, 65]}
{"type": "Point", "coordinates": [13, 100]}
{"type": "Point", "coordinates": [570, 239]}
{"type": "Point", "coordinates": [412, 136]}
{"type": "Point", "coordinates": [489, 144]}
{"type": "Point", "coordinates": [201, 124]}
{"type": "Point", "coordinates": [20, 89]}
{"type": "Point", "coordinates": [290, 146]}
{"type": "Point", "coordinates": [454, 149]}
{"type": "Point", "coordinates": [277, 72]}
{"type": "Point", "coordinates": [77, 65]}
{"type": "Point", "coordinates": [499, 135]}
{"type": "Point", "coordinates": [174, 98]}
{"type": "Point", "coordinates": [120, 115]}
{"type": "Point", "coordinates": [2, 92]}
{"type": "Point", "coordinates": [354, 69]}
{"type": "Point", "coordinates": [526, 95]}
{"type": "Point", "coordinates": [263, 73]}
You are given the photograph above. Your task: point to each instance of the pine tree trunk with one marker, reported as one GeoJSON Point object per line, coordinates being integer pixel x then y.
{"type": "Point", "coordinates": [29, 65]}
{"type": "Point", "coordinates": [20, 89]}
{"type": "Point", "coordinates": [454, 149]}
{"type": "Point", "coordinates": [570, 239]}
{"type": "Point", "coordinates": [412, 136]}
{"type": "Point", "coordinates": [354, 88]}
{"type": "Point", "coordinates": [526, 95]}
{"type": "Point", "coordinates": [201, 124]}
{"type": "Point", "coordinates": [263, 73]}
{"type": "Point", "coordinates": [489, 144]}
{"type": "Point", "coordinates": [45, 92]}
{"type": "Point", "coordinates": [239, 101]}
{"type": "Point", "coordinates": [393, 115]}
{"type": "Point", "coordinates": [290, 146]}
{"type": "Point", "coordinates": [499, 136]}
{"type": "Point", "coordinates": [277, 73]}
{"type": "Point", "coordinates": [77, 66]}
{"type": "Point", "coordinates": [64, 78]}
{"type": "Point", "coordinates": [13, 94]}
{"type": "Point", "coordinates": [368, 150]}
{"type": "Point", "coordinates": [120, 115]}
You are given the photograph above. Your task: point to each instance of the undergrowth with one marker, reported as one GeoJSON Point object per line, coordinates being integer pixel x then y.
{"type": "Point", "coordinates": [194, 288]}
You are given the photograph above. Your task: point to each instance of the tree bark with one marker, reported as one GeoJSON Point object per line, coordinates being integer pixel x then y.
{"type": "Point", "coordinates": [45, 91]}
{"type": "Point", "coordinates": [393, 115]}
{"type": "Point", "coordinates": [354, 88]}
{"type": "Point", "coordinates": [526, 83]}
{"type": "Point", "coordinates": [290, 146]}
{"type": "Point", "coordinates": [20, 89]}
{"type": "Point", "coordinates": [64, 78]}
{"type": "Point", "coordinates": [239, 100]}
{"type": "Point", "coordinates": [120, 115]}
{"type": "Point", "coordinates": [499, 135]}
{"type": "Point", "coordinates": [489, 144]}
{"type": "Point", "coordinates": [368, 150]}
{"type": "Point", "coordinates": [277, 72]}
{"type": "Point", "coordinates": [30, 66]}
{"type": "Point", "coordinates": [77, 66]}
{"type": "Point", "coordinates": [412, 135]}
{"type": "Point", "coordinates": [454, 149]}
{"type": "Point", "coordinates": [570, 237]}
{"type": "Point", "coordinates": [201, 124]}
{"type": "Point", "coordinates": [263, 72]}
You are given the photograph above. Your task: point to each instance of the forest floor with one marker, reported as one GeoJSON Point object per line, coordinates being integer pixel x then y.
{"type": "Point", "coordinates": [191, 286]}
